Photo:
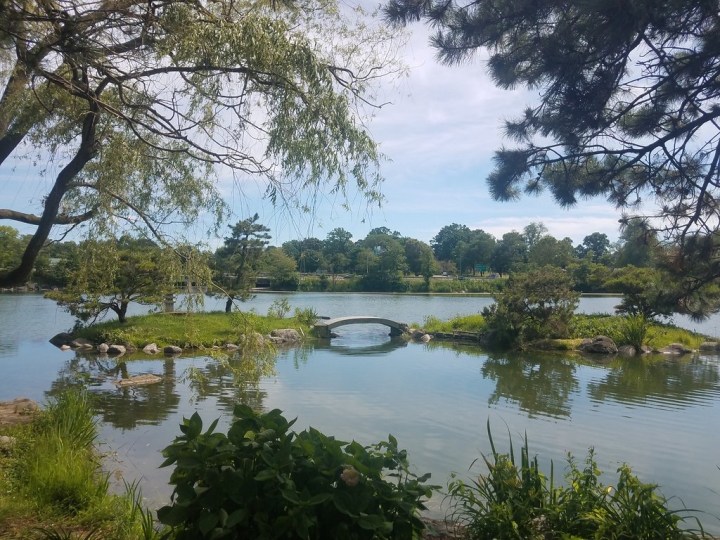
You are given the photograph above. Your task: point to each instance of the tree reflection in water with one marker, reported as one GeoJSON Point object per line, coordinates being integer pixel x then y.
{"type": "Point", "coordinates": [678, 381]}
{"type": "Point", "coordinates": [122, 407]}
{"type": "Point", "coordinates": [233, 378]}
{"type": "Point", "coordinates": [229, 378]}
{"type": "Point", "coordinates": [540, 384]}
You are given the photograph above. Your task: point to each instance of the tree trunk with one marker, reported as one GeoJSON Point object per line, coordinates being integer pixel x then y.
{"type": "Point", "coordinates": [120, 310]}
{"type": "Point", "coordinates": [122, 314]}
{"type": "Point", "coordinates": [85, 153]}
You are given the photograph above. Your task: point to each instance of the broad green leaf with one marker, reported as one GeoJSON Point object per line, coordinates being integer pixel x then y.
{"type": "Point", "coordinates": [266, 474]}
{"type": "Point", "coordinates": [207, 522]}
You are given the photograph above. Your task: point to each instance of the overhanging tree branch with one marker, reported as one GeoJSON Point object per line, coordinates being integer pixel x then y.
{"type": "Point", "coordinates": [32, 219]}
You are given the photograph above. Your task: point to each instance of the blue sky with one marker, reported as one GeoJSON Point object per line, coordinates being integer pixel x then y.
{"type": "Point", "coordinates": [439, 134]}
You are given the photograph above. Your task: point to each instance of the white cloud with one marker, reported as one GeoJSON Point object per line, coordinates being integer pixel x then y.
{"type": "Point", "coordinates": [440, 133]}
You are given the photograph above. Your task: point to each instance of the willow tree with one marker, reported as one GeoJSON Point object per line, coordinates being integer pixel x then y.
{"type": "Point", "coordinates": [112, 274]}
{"type": "Point", "coordinates": [137, 106]}
{"type": "Point", "coordinates": [628, 108]}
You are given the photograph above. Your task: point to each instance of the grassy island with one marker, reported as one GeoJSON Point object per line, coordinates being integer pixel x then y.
{"type": "Point", "coordinates": [657, 335]}
{"type": "Point", "coordinates": [193, 330]}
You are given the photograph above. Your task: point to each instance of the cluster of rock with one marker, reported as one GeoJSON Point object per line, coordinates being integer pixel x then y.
{"type": "Point", "coordinates": [65, 341]}
{"type": "Point", "coordinates": [419, 335]}
{"type": "Point", "coordinates": [605, 345]}
{"type": "Point", "coordinates": [599, 345]}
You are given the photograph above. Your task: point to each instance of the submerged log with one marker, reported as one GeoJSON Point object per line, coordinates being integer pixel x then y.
{"type": "Point", "coordinates": [139, 380]}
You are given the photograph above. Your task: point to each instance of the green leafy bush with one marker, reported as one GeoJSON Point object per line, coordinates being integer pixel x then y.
{"type": "Point", "coordinates": [534, 305]}
{"type": "Point", "coordinates": [517, 500]}
{"type": "Point", "coordinates": [262, 480]}
{"type": "Point", "coordinates": [279, 308]}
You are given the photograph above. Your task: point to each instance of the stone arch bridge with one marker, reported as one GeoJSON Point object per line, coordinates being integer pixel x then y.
{"type": "Point", "coordinates": [324, 327]}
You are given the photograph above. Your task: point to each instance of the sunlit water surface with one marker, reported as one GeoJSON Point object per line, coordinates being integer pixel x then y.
{"type": "Point", "coordinates": [658, 414]}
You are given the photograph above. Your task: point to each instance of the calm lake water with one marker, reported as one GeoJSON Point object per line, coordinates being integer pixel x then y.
{"type": "Point", "coordinates": [658, 414]}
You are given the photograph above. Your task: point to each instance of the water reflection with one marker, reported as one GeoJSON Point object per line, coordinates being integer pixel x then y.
{"type": "Point", "coordinates": [122, 407]}
{"type": "Point", "coordinates": [343, 349]}
{"type": "Point", "coordinates": [435, 398]}
{"type": "Point", "coordinates": [226, 378]}
{"type": "Point", "coordinates": [129, 407]}
{"type": "Point", "coordinates": [232, 379]}
{"type": "Point", "coordinates": [539, 384]}
{"type": "Point", "coordinates": [666, 381]}
{"type": "Point", "coordinates": [8, 348]}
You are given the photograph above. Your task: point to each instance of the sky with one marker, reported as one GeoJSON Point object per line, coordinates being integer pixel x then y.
{"type": "Point", "coordinates": [439, 133]}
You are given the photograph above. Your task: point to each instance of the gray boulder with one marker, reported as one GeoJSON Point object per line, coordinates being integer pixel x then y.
{"type": "Point", "coordinates": [151, 348]}
{"type": "Point", "coordinates": [103, 348]}
{"type": "Point", "coordinates": [7, 443]}
{"type": "Point", "coordinates": [63, 338]}
{"type": "Point", "coordinates": [172, 350]}
{"type": "Point", "coordinates": [81, 343]}
{"type": "Point", "coordinates": [710, 346]}
{"type": "Point", "coordinates": [285, 335]}
{"type": "Point", "coordinates": [675, 349]}
{"type": "Point", "coordinates": [256, 340]}
{"type": "Point", "coordinates": [116, 350]}
{"type": "Point", "coordinates": [627, 350]}
{"type": "Point", "coordinates": [598, 345]}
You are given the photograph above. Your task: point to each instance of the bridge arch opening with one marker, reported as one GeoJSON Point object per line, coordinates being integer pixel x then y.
{"type": "Point", "coordinates": [324, 327]}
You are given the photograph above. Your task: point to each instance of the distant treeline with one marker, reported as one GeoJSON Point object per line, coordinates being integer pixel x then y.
{"type": "Point", "coordinates": [460, 258]}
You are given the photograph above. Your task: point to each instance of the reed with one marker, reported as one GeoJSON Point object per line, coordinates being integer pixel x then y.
{"type": "Point", "coordinates": [515, 499]}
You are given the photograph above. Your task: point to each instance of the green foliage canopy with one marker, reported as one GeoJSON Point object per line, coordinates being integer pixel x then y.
{"type": "Point", "coordinates": [136, 104]}
{"type": "Point", "coordinates": [112, 274]}
{"type": "Point", "coordinates": [237, 260]}
{"type": "Point", "coordinates": [535, 304]}
{"type": "Point", "coordinates": [629, 100]}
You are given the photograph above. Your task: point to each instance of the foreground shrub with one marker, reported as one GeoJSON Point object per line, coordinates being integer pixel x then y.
{"type": "Point", "coordinates": [262, 480]}
{"type": "Point", "coordinates": [516, 500]}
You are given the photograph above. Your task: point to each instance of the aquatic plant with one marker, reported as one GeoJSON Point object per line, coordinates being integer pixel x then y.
{"type": "Point", "coordinates": [515, 499]}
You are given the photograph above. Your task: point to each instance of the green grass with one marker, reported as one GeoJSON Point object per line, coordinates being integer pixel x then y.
{"type": "Point", "coordinates": [616, 327]}
{"type": "Point", "coordinates": [52, 484]}
{"type": "Point", "coordinates": [197, 330]}
{"type": "Point", "coordinates": [464, 323]}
